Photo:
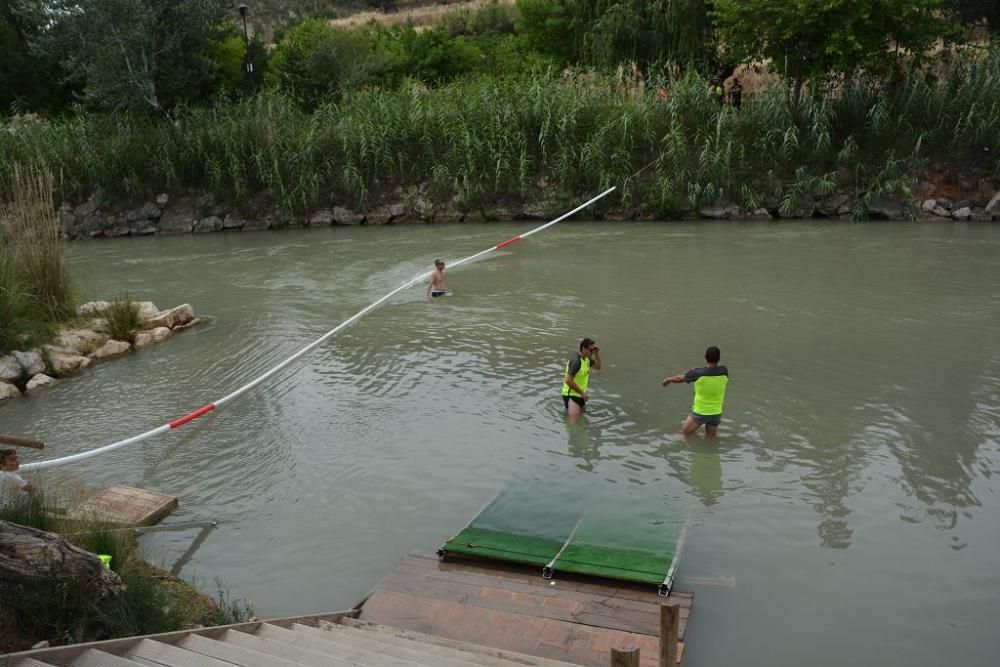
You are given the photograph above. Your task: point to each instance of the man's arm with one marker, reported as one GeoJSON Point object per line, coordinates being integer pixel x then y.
{"type": "Point", "coordinates": [430, 283]}
{"type": "Point", "coordinates": [672, 379]}
{"type": "Point", "coordinates": [595, 358]}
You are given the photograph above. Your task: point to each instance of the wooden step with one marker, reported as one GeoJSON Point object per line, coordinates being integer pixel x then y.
{"type": "Point", "coordinates": [423, 654]}
{"type": "Point", "coordinates": [237, 655]}
{"type": "Point", "coordinates": [342, 651]}
{"type": "Point", "coordinates": [93, 657]}
{"type": "Point", "coordinates": [285, 651]}
{"type": "Point", "coordinates": [27, 662]}
{"type": "Point", "coordinates": [550, 638]}
{"type": "Point", "coordinates": [483, 655]}
{"type": "Point", "coordinates": [168, 655]}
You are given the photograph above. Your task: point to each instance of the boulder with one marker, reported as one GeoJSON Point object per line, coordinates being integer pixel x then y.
{"type": "Point", "coordinates": [994, 204]}
{"type": "Point", "coordinates": [832, 205]}
{"type": "Point", "coordinates": [147, 211]}
{"type": "Point", "coordinates": [233, 222]}
{"type": "Point", "coordinates": [345, 216]}
{"type": "Point", "coordinates": [981, 215]}
{"type": "Point", "coordinates": [941, 212]}
{"type": "Point", "coordinates": [65, 362]}
{"type": "Point", "coordinates": [212, 223]}
{"type": "Point", "coordinates": [39, 380]}
{"type": "Point", "coordinates": [178, 220]}
{"type": "Point", "coordinates": [379, 216]}
{"type": "Point", "coordinates": [929, 205]}
{"type": "Point", "coordinates": [171, 318]}
{"type": "Point", "coordinates": [87, 208]}
{"type": "Point", "coordinates": [397, 211]}
{"type": "Point", "coordinates": [7, 390]}
{"type": "Point", "coordinates": [118, 229]}
{"type": "Point", "coordinates": [80, 341]}
{"type": "Point", "coordinates": [502, 214]}
{"type": "Point", "coordinates": [162, 199]}
{"type": "Point", "coordinates": [257, 223]}
{"type": "Point", "coordinates": [142, 228]}
{"type": "Point", "coordinates": [111, 349]}
{"type": "Point", "coordinates": [887, 208]}
{"type": "Point", "coordinates": [10, 369]}
{"type": "Point", "coordinates": [32, 361]}
{"type": "Point", "coordinates": [721, 211]}
{"type": "Point", "coordinates": [963, 213]}
{"type": "Point", "coordinates": [93, 226]}
{"type": "Point", "coordinates": [92, 308]}
{"type": "Point", "coordinates": [147, 338]}
{"type": "Point", "coordinates": [148, 310]}
{"type": "Point", "coordinates": [321, 218]}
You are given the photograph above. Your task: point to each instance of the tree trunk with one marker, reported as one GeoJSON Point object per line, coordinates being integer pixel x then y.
{"type": "Point", "coordinates": [797, 91]}
{"type": "Point", "coordinates": [31, 555]}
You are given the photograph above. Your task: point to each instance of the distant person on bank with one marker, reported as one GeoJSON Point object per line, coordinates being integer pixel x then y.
{"type": "Point", "coordinates": [710, 384]}
{"type": "Point", "coordinates": [576, 379]}
{"type": "Point", "coordinates": [14, 489]}
{"type": "Point", "coordinates": [436, 286]}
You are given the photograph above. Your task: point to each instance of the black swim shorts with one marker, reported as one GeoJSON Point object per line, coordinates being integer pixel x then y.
{"type": "Point", "coordinates": [706, 420]}
{"type": "Point", "coordinates": [576, 399]}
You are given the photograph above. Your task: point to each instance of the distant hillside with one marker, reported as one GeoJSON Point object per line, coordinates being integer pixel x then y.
{"type": "Point", "coordinates": [267, 16]}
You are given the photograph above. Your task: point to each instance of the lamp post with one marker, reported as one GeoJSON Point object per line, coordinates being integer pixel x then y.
{"type": "Point", "coordinates": [246, 38]}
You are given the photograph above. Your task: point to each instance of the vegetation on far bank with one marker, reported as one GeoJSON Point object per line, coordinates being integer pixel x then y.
{"type": "Point", "coordinates": [536, 99]}
{"type": "Point", "coordinates": [65, 610]}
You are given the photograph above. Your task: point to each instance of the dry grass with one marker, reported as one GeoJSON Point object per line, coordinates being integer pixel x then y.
{"type": "Point", "coordinates": [420, 17]}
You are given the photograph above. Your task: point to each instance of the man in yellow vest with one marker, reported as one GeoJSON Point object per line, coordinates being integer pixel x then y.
{"type": "Point", "coordinates": [577, 378]}
{"type": "Point", "coordinates": [710, 385]}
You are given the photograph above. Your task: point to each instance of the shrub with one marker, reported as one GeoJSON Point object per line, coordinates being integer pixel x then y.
{"type": "Point", "coordinates": [122, 318]}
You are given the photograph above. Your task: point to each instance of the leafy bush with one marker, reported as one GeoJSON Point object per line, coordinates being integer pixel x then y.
{"type": "Point", "coordinates": [122, 318]}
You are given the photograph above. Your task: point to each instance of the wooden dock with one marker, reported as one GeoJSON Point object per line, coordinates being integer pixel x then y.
{"type": "Point", "coordinates": [125, 505]}
{"type": "Point", "coordinates": [572, 620]}
{"type": "Point", "coordinates": [426, 613]}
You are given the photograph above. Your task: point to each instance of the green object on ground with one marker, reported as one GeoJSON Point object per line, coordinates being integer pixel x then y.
{"type": "Point", "coordinates": [106, 559]}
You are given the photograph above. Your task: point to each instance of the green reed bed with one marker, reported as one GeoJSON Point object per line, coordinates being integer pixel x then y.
{"type": "Point", "coordinates": [484, 138]}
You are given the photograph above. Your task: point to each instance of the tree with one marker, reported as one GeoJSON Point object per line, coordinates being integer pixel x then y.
{"type": "Point", "coordinates": [139, 54]}
{"type": "Point", "coordinates": [29, 81]}
{"type": "Point", "coordinates": [815, 39]}
{"type": "Point", "coordinates": [974, 11]}
{"type": "Point", "coordinates": [608, 32]}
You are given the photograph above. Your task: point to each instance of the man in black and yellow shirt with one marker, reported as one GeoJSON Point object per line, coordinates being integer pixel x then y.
{"type": "Point", "coordinates": [710, 385]}
{"type": "Point", "coordinates": [577, 378]}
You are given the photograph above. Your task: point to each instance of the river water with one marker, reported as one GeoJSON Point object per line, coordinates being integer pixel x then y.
{"type": "Point", "coordinates": [848, 512]}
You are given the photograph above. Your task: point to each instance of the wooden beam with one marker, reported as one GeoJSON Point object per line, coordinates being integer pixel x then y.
{"type": "Point", "coordinates": [18, 441]}
{"type": "Point", "coordinates": [625, 657]}
{"type": "Point", "coordinates": [670, 618]}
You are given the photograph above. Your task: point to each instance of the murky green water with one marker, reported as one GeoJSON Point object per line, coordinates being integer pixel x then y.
{"type": "Point", "coordinates": [851, 497]}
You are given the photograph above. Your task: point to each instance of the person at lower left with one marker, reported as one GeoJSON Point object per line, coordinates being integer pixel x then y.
{"type": "Point", "coordinates": [14, 489]}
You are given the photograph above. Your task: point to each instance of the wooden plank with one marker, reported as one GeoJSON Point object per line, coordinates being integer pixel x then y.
{"type": "Point", "coordinates": [21, 441]}
{"type": "Point", "coordinates": [238, 655]}
{"type": "Point", "coordinates": [400, 635]}
{"type": "Point", "coordinates": [125, 505]}
{"type": "Point", "coordinates": [669, 624]}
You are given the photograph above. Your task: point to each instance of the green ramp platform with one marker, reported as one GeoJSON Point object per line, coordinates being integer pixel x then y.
{"type": "Point", "coordinates": [576, 531]}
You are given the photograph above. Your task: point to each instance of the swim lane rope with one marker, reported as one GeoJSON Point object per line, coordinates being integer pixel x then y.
{"type": "Point", "coordinates": [191, 416]}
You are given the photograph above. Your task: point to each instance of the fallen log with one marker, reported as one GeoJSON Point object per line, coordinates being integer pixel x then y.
{"type": "Point", "coordinates": [29, 555]}
{"type": "Point", "coordinates": [20, 441]}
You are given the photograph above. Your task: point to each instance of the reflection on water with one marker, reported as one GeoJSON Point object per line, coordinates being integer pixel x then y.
{"type": "Point", "coordinates": [855, 466]}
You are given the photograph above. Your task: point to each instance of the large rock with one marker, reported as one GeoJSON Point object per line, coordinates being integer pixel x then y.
{"type": "Point", "coordinates": [65, 362]}
{"type": "Point", "coordinates": [963, 213]}
{"type": "Point", "coordinates": [212, 223]}
{"type": "Point", "coordinates": [147, 211]}
{"type": "Point", "coordinates": [345, 216]}
{"type": "Point", "coordinates": [379, 216]}
{"type": "Point", "coordinates": [174, 317]}
{"type": "Point", "coordinates": [32, 361]}
{"type": "Point", "coordinates": [833, 205]}
{"type": "Point", "coordinates": [887, 208]}
{"type": "Point", "coordinates": [321, 218]}
{"type": "Point", "coordinates": [7, 390]}
{"type": "Point", "coordinates": [396, 212]}
{"type": "Point", "coordinates": [148, 310]}
{"type": "Point", "coordinates": [178, 220]}
{"type": "Point", "coordinates": [80, 341]}
{"type": "Point", "coordinates": [257, 223]}
{"type": "Point", "coordinates": [928, 205]}
{"type": "Point", "coordinates": [39, 380]}
{"type": "Point", "coordinates": [232, 221]}
{"type": "Point", "coordinates": [10, 369]}
{"type": "Point", "coordinates": [142, 228]}
{"type": "Point", "coordinates": [720, 211]}
{"type": "Point", "coordinates": [151, 337]}
{"type": "Point", "coordinates": [92, 308]}
{"type": "Point", "coordinates": [111, 349]}
{"type": "Point", "coordinates": [87, 208]}
{"type": "Point", "coordinates": [93, 226]}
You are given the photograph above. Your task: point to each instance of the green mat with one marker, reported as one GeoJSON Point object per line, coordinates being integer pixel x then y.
{"type": "Point", "coordinates": [613, 538]}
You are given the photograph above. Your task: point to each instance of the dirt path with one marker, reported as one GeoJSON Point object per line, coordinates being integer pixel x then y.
{"type": "Point", "coordinates": [420, 16]}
